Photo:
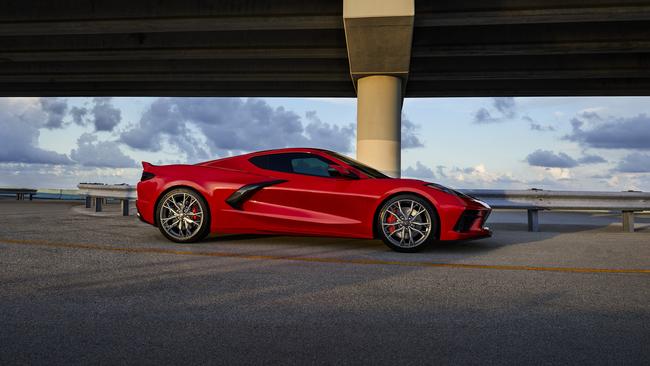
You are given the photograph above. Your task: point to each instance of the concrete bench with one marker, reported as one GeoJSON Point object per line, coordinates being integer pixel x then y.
{"type": "Point", "coordinates": [100, 192]}
{"type": "Point", "coordinates": [535, 200]}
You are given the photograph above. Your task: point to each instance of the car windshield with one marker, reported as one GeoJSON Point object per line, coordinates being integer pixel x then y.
{"type": "Point", "coordinates": [371, 172]}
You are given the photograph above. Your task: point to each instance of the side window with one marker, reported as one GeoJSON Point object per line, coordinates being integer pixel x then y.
{"type": "Point", "coordinates": [298, 163]}
{"type": "Point", "coordinates": [277, 162]}
{"type": "Point", "coordinates": [310, 166]}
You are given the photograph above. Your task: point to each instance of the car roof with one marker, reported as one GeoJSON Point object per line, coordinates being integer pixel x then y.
{"type": "Point", "coordinates": [265, 152]}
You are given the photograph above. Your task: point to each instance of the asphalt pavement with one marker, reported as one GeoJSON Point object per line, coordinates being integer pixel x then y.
{"type": "Point", "coordinates": [80, 289]}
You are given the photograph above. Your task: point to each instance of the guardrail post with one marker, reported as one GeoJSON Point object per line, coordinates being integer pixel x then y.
{"type": "Point", "coordinates": [628, 221]}
{"type": "Point", "coordinates": [98, 204]}
{"type": "Point", "coordinates": [533, 220]}
{"type": "Point", "coordinates": [125, 207]}
{"type": "Point", "coordinates": [89, 202]}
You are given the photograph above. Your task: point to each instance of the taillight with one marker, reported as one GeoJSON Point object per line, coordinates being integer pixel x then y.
{"type": "Point", "coordinates": [146, 176]}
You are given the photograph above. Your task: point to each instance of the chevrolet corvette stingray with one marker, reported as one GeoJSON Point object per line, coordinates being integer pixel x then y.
{"type": "Point", "coordinates": [304, 191]}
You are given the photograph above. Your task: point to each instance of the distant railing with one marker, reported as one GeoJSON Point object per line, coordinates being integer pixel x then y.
{"type": "Point", "coordinates": [99, 192]}
{"type": "Point", "coordinates": [20, 193]}
{"type": "Point", "coordinates": [534, 200]}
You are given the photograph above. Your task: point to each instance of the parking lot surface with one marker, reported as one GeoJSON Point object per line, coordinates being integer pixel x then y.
{"type": "Point", "coordinates": [78, 289]}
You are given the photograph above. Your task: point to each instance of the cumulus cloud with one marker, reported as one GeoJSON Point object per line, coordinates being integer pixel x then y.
{"type": "Point", "coordinates": [479, 177]}
{"type": "Point", "coordinates": [476, 176]}
{"type": "Point", "coordinates": [592, 130]}
{"type": "Point", "coordinates": [105, 115]}
{"type": "Point", "coordinates": [410, 138]}
{"type": "Point", "coordinates": [484, 116]}
{"type": "Point", "coordinates": [55, 110]}
{"type": "Point", "coordinates": [504, 108]}
{"type": "Point", "coordinates": [505, 105]}
{"type": "Point", "coordinates": [327, 135]}
{"type": "Point", "coordinates": [549, 159]}
{"type": "Point", "coordinates": [221, 126]}
{"type": "Point", "coordinates": [78, 115]}
{"type": "Point", "coordinates": [20, 120]}
{"type": "Point", "coordinates": [634, 163]}
{"type": "Point", "coordinates": [591, 159]}
{"type": "Point", "coordinates": [419, 171]}
{"type": "Point", "coordinates": [91, 152]}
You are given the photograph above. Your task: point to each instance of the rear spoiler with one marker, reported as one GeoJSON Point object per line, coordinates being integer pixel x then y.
{"type": "Point", "coordinates": [147, 171]}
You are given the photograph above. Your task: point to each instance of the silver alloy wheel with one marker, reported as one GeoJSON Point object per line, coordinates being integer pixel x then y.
{"type": "Point", "coordinates": [181, 216]}
{"type": "Point", "coordinates": [406, 223]}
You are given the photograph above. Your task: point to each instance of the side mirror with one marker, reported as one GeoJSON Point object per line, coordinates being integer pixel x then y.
{"type": "Point", "coordinates": [339, 171]}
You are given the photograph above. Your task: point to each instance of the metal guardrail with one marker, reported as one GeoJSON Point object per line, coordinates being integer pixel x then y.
{"type": "Point", "coordinates": [20, 193]}
{"type": "Point", "coordinates": [99, 192]}
{"type": "Point", "coordinates": [535, 200]}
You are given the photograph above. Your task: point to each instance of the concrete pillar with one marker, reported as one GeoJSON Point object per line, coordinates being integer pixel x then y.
{"type": "Point", "coordinates": [378, 35]}
{"type": "Point", "coordinates": [379, 111]}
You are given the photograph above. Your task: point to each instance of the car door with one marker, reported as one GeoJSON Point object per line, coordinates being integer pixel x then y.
{"type": "Point", "coordinates": [313, 199]}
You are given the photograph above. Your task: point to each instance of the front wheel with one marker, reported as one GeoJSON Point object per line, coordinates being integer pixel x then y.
{"type": "Point", "coordinates": [407, 223]}
{"type": "Point", "coordinates": [183, 216]}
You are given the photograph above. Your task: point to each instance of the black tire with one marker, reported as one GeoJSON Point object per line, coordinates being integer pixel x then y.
{"type": "Point", "coordinates": [197, 233]}
{"type": "Point", "coordinates": [395, 235]}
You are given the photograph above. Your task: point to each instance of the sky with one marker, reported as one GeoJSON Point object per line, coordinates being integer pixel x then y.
{"type": "Point", "coordinates": [561, 143]}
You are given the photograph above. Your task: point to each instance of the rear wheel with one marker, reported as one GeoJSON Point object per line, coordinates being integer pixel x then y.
{"type": "Point", "coordinates": [407, 223]}
{"type": "Point", "coordinates": [183, 216]}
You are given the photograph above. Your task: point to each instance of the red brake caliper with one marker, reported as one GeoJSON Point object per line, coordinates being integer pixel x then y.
{"type": "Point", "coordinates": [391, 219]}
{"type": "Point", "coordinates": [194, 211]}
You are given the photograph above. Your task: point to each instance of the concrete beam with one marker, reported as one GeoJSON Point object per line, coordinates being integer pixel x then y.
{"type": "Point", "coordinates": [155, 25]}
{"type": "Point", "coordinates": [550, 15]}
{"type": "Point", "coordinates": [379, 36]}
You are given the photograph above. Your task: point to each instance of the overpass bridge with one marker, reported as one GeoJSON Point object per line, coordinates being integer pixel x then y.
{"type": "Point", "coordinates": [377, 50]}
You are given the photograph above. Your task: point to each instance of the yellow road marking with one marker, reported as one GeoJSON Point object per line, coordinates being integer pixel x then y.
{"type": "Point", "coordinates": [322, 260]}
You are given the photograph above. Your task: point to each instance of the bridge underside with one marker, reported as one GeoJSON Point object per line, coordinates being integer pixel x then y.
{"type": "Point", "coordinates": [298, 48]}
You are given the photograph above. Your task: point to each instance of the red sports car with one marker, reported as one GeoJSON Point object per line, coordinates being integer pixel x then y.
{"type": "Point", "coordinates": [304, 192]}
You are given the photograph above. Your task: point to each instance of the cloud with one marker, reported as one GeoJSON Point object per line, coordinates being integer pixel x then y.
{"type": "Point", "coordinates": [55, 109]}
{"type": "Point", "coordinates": [484, 116]}
{"type": "Point", "coordinates": [91, 152]}
{"type": "Point", "coordinates": [420, 171]}
{"type": "Point", "coordinates": [549, 159]}
{"type": "Point", "coordinates": [470, 177]}
{"type": "Point", "coordinates": [479, 177]}
{"type": "Point", "coordinates": [634, 163]}
{"type": "Point", "coordinates": [611, 133]}
{"type": "Point", "coordinates": [591, 159]}
{"type": "Point", "coordinates": [409, 134]}
{"type": "Point", "coordinates": [505, 108]}
{"type": "Point", "coordinates": [105, 115]}
{"type": "Point", "coordinates": [20, 120]}
{"type": "Point", "coordinates": [201, 127]}
{"type": "Point", "coordinates": [78, 115]}
{"type": "Point", "coordinates": [327, 135]}
{"type": "Point", "coordinates": [539, 127]}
